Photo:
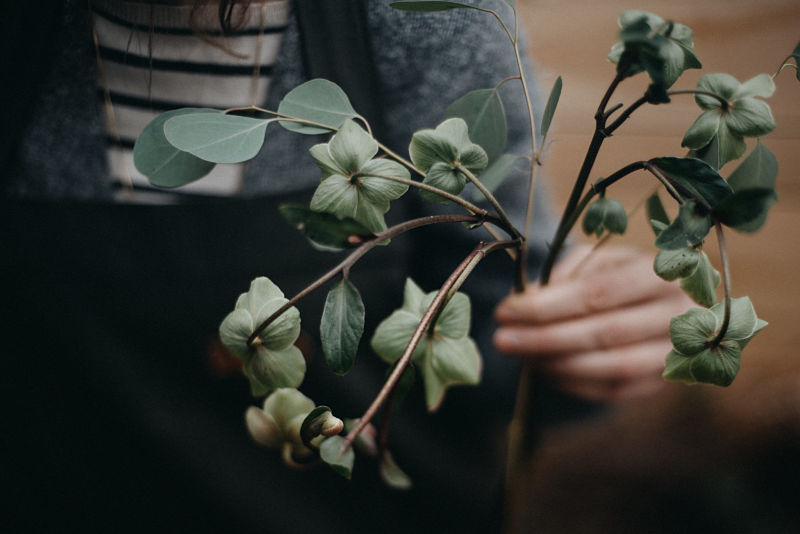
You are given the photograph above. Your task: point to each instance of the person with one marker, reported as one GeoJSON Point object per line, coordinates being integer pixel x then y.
{"type": "Point", "coordinates": [118, 420]}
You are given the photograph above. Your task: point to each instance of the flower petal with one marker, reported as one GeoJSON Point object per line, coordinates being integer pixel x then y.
{"type": "Point", "coordinates": [393, 334]}
{"type": "Point", "coordinates": [351, 147]}
{"type": "Point", "coordinates": [750, 117]}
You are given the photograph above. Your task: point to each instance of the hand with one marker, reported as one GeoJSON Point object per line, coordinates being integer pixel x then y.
{"type": "Point", "coordinates": [601, 334]}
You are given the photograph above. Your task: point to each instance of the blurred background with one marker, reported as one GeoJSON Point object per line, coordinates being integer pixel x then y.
{"type": "Point", "coordinates": [696, 459]}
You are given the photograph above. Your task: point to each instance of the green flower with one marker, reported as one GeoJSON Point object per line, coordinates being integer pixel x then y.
{"type": "Point", "coordinates": [446, 356]}
{"type": "Point", "coordinates": [738, 115]}
{"type": "Point", "coordinates": [439, 152]}
{"type": "Point", "coordinates": [662, 48]}
{"type": "Point", "coordinates": [278, 424]}
{"type": "Point", "coordinates": [351, 184]}
{"type": "Point", "coordinates": [694, 357]}
{"type": "Point", "coordinates": [272, 361]}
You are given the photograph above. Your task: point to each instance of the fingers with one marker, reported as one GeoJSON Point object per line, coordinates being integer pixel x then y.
{"type": "Point", "coordinates": [614, 391]}
{"type": "Point", "coordinates": [622, 364]}
{"type": "Point", "coordinates": [599, 331]}
{"type": "Point", "coordinates": [604, 288]}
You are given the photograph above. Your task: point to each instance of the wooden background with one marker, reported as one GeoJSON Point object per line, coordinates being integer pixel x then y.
{"type": "Point", "coordinates": [691, 458]}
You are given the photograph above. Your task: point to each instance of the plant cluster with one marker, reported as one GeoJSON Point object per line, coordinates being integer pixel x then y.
{"type": "Point", "coordinates": [429, 334]}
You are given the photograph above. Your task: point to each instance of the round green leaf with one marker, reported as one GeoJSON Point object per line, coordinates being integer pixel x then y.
{"type": "Point", "coordinates": [687, 230]}
{"type": "Point", "coordinates": [679, 368]}
{"type": "Point", "coordinates": [758, 170]}
{"type": "Point", "coordinates": [444, 177]}
{"type": "Point", "coordinates": [485, 116]}
{"type": "Point", "coordinates": [217, 137]}
{"type": "Point", "coordinates": [319, 101]}
{"type": "Point", "coordinates": [342, 326]}
{"type": "Point", "coordinates": [162, 163]}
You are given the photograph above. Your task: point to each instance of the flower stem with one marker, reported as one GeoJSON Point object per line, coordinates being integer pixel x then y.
{"type": "Point", "coordinates": [726, 284]}
{"type": "Point", "coordinates": [354, 256]}
{"type": "Point", "coordinates": [452, 283]}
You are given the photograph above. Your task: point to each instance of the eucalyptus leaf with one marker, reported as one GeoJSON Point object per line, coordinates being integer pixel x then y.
{"type": "Point", "coordinates": [324, 230]}
{"type": "Point", "coordinates": [217, 137]}
{"type": "Point", "coordinates": [341, 326]}
{"type": "Point", "coordinates": [334, 452]}
{"type": "Point", "coordinates": [694, 179]}
{"type": "Point", "coordinates": [162, 163]}
{"type": "Point", "coordinates": [485, 116]}
{"type": "Point", "coordinates": [320, 101]}
{"type": "Point", "coordinates": [550, 107]}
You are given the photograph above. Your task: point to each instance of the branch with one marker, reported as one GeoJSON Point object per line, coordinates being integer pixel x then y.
{"type": "Point", "coordinates": [354, 256]}
{"type": "Point", "coordinates": [450, 285]}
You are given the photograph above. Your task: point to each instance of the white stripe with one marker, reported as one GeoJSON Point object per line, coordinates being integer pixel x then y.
{"type": "Point", "coordinates": [223, 180]}
{"type": "Point", "coordinates": [189, 48]}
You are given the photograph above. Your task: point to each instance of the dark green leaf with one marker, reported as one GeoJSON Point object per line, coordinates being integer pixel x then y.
{"type": "Point", "coordinates": [550, 108]}
{"type": "Point", "coordinates": [341, 326]}
{"type": "Point", "coordinates": [341, 459]}
{"type": "Point", "coordinates": [758, 170]}
{"type": "Point", "coordinates": [687, 230]}
{"type": "Point", "coordinates": [656, 212]}
{"type": "Point", "coordinates": [312, 425]}
{"type": "Point", "coordinates": [746, 211]}
{"type": "Point", "coordinates": [428, 5]}
{"type": "Point", "coordinates": [319, 101]}
{"type": "Point", "coordinates": [694, 179]}
{"type": "Point", "coordinates": [163, 164]}
{"type": "Point", "coordinates": [324, 230]}
{"type": "Point", "coordinates": [483, 112]}
{"type": "Point", "coordinates": [495, 174]}
{"type": "Point", "coordinates": [217, 137]}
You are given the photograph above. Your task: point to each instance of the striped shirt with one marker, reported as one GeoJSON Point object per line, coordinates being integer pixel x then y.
{"type": "Point", "coordinates": [154, 58]}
